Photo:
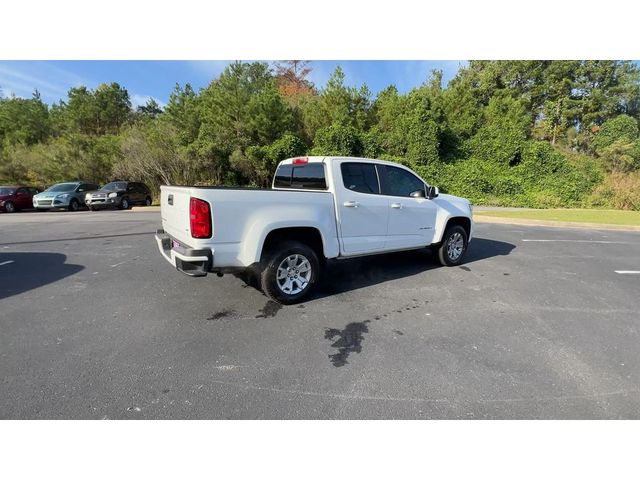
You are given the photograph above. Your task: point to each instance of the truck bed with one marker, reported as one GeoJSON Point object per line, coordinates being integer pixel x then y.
{"type": "Point", "coordinates": [241, 215]}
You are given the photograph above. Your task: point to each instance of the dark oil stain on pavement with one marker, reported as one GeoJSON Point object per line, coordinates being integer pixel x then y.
{"type": "Point", "coordinates": [270, 309]}
{"type": "Point", "coordinates": [347, 341]}
{"type": "Point", "coordinates": [466, 269]}
{"type": "Point", "coordinates": [221, 314]}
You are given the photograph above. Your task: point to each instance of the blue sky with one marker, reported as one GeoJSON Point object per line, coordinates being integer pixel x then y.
{"type": "Point", "coordinates": [144, 79]}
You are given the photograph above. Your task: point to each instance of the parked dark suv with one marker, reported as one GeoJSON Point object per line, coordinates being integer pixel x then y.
{"type": "Point", "coordinates": [120, 195]}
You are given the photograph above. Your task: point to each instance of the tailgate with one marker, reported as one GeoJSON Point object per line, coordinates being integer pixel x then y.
{"type": "Point", "coordinates": [174, 210]}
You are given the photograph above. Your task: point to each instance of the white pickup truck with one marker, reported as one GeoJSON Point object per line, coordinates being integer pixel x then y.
{"type": "Point", "coordinates": [319, 208]}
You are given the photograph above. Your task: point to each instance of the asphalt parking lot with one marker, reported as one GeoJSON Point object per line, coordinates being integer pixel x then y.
{"type": "Point", "coordinates": [94, 324]}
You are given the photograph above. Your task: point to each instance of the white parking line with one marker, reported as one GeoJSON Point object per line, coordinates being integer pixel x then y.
{"type": "Point", "coordinates": [573, 241]}
{"type": "Point", "coordinates": [628, 272]}
{"type": "Point", "coordinates": [6, 263]}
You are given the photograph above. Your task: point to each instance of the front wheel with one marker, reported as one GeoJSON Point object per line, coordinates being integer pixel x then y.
{"type": "Point", "coordinates": [124, 204]}
{"type": "Point", "coordinates": [74, 205]}
{"type": "Point", "coordinates": [291, 272]}
{"type": "Point", "coordinates": [453, 246]}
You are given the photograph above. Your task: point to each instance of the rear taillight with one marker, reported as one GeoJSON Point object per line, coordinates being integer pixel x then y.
{"type": "Point", "coordinates": [200, 218]}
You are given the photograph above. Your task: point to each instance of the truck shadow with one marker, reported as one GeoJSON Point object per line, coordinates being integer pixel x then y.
{"type": "Point", "coordinates": [24, 271]}
{"type": "Point", "coordinates": [345, 275]}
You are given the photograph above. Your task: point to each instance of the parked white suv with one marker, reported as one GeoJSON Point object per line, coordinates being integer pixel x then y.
{"type": "Point", "coordinates": [319, 208]}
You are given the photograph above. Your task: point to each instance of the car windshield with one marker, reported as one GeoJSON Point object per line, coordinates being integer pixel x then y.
{"type": "Point", "coordinates": [62, 187]}
{"type": "Point", "coordinates": [7, 191]}
{"type": "Point", "coordinates": [115, 186]}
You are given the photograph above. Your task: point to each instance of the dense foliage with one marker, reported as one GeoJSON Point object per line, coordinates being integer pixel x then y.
{"type": "Point", "coordinates": [525, 133]}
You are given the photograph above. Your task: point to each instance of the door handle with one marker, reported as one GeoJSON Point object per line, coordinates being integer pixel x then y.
{"type": "Point", "coordinates": [351, 203]}
{"type": "Point", "coordinates": [396, 205]}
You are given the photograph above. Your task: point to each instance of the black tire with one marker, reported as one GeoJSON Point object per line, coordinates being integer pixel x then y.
{"type": "Point", "coordinates": [74, 205]}
{"type": "Point", "coordinates": [9, 207]}
{"type": "Point", "coordinates": [93, 209]}
{"type": "Point", "coordinates": [272, 286]}
{"type": "Point", "coordinates": [124, 204]}
{"type": "Point", "coordinates": [447, 252]}
{"type": "Point", "coordinates": [148, 202]}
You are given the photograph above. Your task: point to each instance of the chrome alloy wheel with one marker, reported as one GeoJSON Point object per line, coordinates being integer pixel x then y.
{"type": "Point", "coordinates": [294, 274]}
{"type": "Point", "coordinates": [455, 246]}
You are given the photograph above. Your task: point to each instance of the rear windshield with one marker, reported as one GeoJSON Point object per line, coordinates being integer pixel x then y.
{"type": "Point", "coordinates": [311, 176]}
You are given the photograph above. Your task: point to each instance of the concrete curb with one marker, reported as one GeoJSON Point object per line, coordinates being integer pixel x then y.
{"type": "Point", "coordinates": [146, 209]}
{"type": "Point", "coordinates": [553, 223]}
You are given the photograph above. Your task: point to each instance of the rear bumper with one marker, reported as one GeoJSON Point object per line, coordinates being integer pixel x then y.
{"type": "Point", "coordinates": [190, 261]}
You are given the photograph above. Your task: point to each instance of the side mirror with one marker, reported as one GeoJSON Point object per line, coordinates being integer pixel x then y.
{"type": "Point", "coordinates": [418, 194]}
{"type": "Point", "coordinates": [433, 192]}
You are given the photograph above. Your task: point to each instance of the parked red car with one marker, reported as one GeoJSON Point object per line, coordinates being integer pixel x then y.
{"type": "Point", "coordinates": [16, 197]}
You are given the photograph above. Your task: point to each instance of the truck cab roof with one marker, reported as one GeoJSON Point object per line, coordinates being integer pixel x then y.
{"type": "Point", "coordinates": [329, 159]}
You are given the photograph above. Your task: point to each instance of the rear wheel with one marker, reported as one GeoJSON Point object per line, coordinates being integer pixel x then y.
{"type": "Point", "coordinates": [74, 205]}
{"type": "Point", "coordinates": [291, 272]}
{"type": "Point", "coordinates": [9, 207]}
{"type": "Point", "coordinates": [147, 201]}
{"type": "Point", "coordinates": [453, 246]}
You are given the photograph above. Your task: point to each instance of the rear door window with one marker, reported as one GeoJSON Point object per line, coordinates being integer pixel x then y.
{"type": "Point", "coordinates": [360, 177]}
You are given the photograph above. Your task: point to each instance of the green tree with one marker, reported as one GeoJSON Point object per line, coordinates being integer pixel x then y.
{"type": "Point", "coordinates": [151, 109]}
{"type": "Point", "coordinates": [620, 156]}
{"type": "Point", "coordinates": [337, 139]}
{"type": "Point", "coordinates": [113, 107]}
{"type": "Point", "coordinates": [503, 133]}
{"type": "Point", "coordinates": [23, 121]}
{"type": "Point", "coordinates": [619, 128]}
{"type": "Point", "coordinates": [337, 104]}
{"type": "Point", "coordinates": [99, 112]}
{"type": "Point", "coordinates": [183, 113]}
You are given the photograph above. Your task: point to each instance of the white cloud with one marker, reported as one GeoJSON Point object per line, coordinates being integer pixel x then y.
{"type": "Point", "coordinates": [138, 100]}
{"type": "Point", "coordinates": [22, 78]}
